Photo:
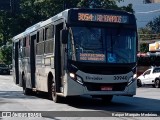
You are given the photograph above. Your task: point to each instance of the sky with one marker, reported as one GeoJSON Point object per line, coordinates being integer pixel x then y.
{"type": "Point", "coordinates": [143, 12]}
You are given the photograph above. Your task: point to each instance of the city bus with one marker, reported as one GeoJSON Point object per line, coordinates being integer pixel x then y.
{"type": "Point", "coordinates": [78, 52]}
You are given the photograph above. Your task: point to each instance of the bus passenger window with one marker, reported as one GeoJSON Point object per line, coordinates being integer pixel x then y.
{"type": "Point", "coordinates": [24, 42]}
{"type": "Point", "coordinates": [41, 35]}
{"type": "Point", "coordinates": [46, 34]}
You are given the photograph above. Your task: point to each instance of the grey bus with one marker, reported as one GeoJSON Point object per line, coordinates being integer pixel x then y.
{"type": "Point", "coordinates": [78, 52]}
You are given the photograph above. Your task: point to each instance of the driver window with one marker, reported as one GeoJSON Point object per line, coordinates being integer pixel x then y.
{"type": "Point", "coordinates": [147, 72]}
{"type": "Point", "coordinates": [69, 46]}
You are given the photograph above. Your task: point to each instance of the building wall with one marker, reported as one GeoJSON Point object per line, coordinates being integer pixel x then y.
{"type": "Point", "coordinates": [156, 1]}
{"type": "Point", "coordinates": [152, 1]}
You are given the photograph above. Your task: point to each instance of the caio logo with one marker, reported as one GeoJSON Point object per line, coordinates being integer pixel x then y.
{"type": "Point", "coordinates": [93, 78]}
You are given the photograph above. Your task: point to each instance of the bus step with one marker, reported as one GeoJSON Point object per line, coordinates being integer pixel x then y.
{"type": "Point", "coordinates": [60, 94]}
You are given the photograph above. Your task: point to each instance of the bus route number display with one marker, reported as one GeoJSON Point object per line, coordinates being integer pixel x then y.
{"type": "Point", "coordinates": [102, 18]}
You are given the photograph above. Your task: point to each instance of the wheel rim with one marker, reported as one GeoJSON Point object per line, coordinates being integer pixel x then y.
{"type": "Point", "coordinates": [157, 83]}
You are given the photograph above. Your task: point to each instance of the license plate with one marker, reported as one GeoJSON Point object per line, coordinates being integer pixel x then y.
{"type": "Point", "coordinates": [107, 88]}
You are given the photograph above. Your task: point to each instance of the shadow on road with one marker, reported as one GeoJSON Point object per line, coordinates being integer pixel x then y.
{"type": "Point", "coordinates": [119, 103]}
{"type": "Point", "coordinates": [95, 107]}
{"type": "Point", "coordinates": [14, 95]}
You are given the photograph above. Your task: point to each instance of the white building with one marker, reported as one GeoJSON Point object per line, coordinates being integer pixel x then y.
{"type": "Point", "coordinates": [152, 1]}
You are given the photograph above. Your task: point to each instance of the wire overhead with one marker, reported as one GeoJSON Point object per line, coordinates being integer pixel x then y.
{"type": "Point", "coordinates": [153, 11]}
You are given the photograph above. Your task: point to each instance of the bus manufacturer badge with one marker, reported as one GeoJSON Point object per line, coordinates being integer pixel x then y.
{"type": "Point", "coordinates": [93, 78]}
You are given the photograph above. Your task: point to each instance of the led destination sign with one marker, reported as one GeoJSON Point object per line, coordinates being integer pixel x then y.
{"type": "Point", "coordinates": [102, 18]}
{"type": "Point", "coordinates": [92, 57]}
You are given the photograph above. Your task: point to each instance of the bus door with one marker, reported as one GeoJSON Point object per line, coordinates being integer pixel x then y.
{"type": "Point", "coordinates": [32, 59]}
{"type": "Point", "coordinates": [20, 61]}
{"type": "Point", "coordinates": [59, 61]}
{"type": "Point", "coordinates": [16, 63]}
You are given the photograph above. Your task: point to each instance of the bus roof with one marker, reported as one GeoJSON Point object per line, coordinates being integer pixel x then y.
{"type": "Point", "coordinates": [64, 15]}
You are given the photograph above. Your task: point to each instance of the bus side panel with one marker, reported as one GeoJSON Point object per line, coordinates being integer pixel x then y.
{"type": "Point", "coordinates": [20, 61]}
{"type": "Point", "coordinates": [58, 58]}
{"type": "Point", "coordinates": [44, 57]}
{"type": "Point", "coordinates": [39, 61]}
{"type": "Point", "coordinates": [28, 64]}
{"type": "Point", "coordinates": [32, 61]}
{"type": "Point", "coordinates": [16, 64]}
{"type": "Point", "coordinates": [20, 71]}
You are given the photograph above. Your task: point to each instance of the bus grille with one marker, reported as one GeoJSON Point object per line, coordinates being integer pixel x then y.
{"type": "Point", "coordinates": [97, 86]}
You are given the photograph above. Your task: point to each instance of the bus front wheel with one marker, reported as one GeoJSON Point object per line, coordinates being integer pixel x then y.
{"type": "Point", "coordinates": [52, 92]}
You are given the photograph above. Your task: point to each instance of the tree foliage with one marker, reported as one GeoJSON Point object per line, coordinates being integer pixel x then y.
{"type": "Point", "coordinates": [150, 32]}
{"type": "Point", "coordinates": [5, 27]}
{"type": "Point", "coordinates": [154, 25]}
{"type": "Point", "coordinates": [34, 11]}
{"type": "Point", "coordinates": [106, 4]}
{"type": "Point", "coordinates": [144, 47]}
{"type": "Point", "coordinates": [6, 54]}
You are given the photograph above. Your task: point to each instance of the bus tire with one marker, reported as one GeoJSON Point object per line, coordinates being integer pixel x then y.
{"type": "Point", "coordinates": [26, 91]}
{"type": "Point", "coordinates": [107, 98]}
{"type": "Point", "coordinates": [52, 91]}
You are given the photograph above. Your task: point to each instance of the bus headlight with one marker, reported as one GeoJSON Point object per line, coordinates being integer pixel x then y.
{"type": "Point", "coordinates": [134, 76]}
{"type": "Point", "coordinates": [76, 78]}
{"type": "Point", "coordinates": [72, 75]}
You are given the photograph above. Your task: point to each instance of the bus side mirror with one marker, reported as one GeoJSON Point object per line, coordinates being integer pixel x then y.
{"type": "Point", "coordinates": [64, 36]}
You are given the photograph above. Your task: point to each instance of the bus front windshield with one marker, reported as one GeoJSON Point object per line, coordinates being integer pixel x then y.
{"type": "Point", "coordinates": [102, 45]}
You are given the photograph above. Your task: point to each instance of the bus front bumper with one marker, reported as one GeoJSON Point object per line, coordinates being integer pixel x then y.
{"type": "Point", "coordinates": [73, 88]}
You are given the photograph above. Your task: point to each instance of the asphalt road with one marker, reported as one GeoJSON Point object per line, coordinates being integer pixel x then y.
{"type": "Point", "coordinates": [145, 103]}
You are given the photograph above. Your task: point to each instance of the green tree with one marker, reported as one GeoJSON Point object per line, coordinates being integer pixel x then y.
{"type": "Point", "coordinates": [107, 4]}
{"type": "Point", "coordinates": [34, 11]}
{"type": "Point", "coordinates": [5, 27]}
{"type": "Point", "coordinates": [6, 54]}
{"type": "Point", "coordinates": [154, 25]}
{"type": "Point", "coordinates": [144, 47]}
